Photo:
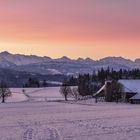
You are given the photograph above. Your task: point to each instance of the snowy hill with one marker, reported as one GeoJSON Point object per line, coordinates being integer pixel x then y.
{"type": "Point", "coordinates": [64, 65]}
{"type": "Point", "coordinates": [44, 115]}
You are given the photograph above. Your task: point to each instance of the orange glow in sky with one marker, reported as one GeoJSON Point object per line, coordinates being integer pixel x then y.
{"type": "Point", "coordinates": [74, 28]}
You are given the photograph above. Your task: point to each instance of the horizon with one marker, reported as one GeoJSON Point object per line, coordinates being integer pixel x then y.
{"type": "Point", "coordinates": [69, 57]}
{"type": "Point", "coordinates": [76, 29]}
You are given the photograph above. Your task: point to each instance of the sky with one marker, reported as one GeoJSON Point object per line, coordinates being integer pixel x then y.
{"type": "Point", "coordinates": [73, 28]}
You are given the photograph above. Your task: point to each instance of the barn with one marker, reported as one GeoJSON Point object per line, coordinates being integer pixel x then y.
{"type": "Point", "coordinates": [131, 90]}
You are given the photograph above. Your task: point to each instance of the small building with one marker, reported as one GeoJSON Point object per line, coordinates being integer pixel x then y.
{"type": "Point", "coordinates": [103, 91]}
{"type": "Point", "coordinates": [135, 99]}
{"type": "Point", "coordinates": [131, 90]}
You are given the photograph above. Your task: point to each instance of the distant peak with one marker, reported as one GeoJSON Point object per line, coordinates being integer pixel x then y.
{"type": "Point", "coordinates": [5, 53]}
{"type": "Point", "coordinates": [111, 58]}
{"type": "Point", "coordinates": [80, 59]}
{"type": "Point", "coordinates": [65, 58]}
{"type": "Point", "coordinates": [89, 59]}
{"type": "Point", "coordinates": [137, 60]}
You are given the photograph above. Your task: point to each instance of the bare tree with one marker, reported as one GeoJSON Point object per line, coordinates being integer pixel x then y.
{"type": "Point", "coordinates": [75, 93]}
{"type": "Point", "coordinates": [65, 90]}
{"type": "Point", "coordinates": [4, 91]}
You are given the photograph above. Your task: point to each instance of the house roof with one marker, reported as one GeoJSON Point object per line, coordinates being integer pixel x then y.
{"type": "Point", "coordinates": [131, 85]}
{"type": "Point", "coordinates": [100, 90]}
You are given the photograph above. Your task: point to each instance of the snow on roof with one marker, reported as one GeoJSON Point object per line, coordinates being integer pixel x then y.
{"type": "Point", "coordinates": [101, 89]}
{"type": "Point", "coordinates": [131, 85]}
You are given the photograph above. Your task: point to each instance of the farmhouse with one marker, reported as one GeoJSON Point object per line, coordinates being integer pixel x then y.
{"type": "Point", "coordinates": [131, 90]}
{"type": "Point", "coordinates": [103, 91]}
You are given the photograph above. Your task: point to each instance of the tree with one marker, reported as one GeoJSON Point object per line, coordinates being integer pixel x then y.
{"type": "Point", "coordinates": [23, 91]}
{"type": "Point", "coordinates": [117, 89]}
{"type": "Point", "coordinates": [113, 91]}
{"type": "Point", "coordinates": [33, 82]}
{"type": "Point", "coordinates": [65, 90]}
{"type": "Point", "coordinates": [44, 84]}
{"type": "Point", "coordinates": [4, 91]}
{"type": "Point", "coordinates": [75, 93]}
{"type": "Point", "coordinates": [85, 86]}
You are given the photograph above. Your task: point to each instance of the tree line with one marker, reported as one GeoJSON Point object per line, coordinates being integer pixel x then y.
{"type": "Point", "coordinates": [87, 84]}
{"type": "Point", "coordinates": [35, 83]}
{"type": "Point", "coordinates": [106, 74]}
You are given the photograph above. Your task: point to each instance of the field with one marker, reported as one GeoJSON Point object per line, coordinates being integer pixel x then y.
{"type": "Point", "coordinates": [43, 115]}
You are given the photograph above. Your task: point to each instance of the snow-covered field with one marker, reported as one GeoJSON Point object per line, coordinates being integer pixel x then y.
{"type": "Point", "coordinates": [41, 114]}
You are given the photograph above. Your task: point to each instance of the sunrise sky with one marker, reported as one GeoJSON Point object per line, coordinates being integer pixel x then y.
{"type": "Point", "coordinates": [74, 28]}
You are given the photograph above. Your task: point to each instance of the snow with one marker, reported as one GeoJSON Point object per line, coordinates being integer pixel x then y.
{"type": "Point", "coordinates": [54, 71]}
{"type": "Point", "coordinates": [55, 82]}
{"type": "Point", "coordinates": [54, 119]}
{"type": "Point", "coordinates": [101, 89]}
{"type": "Point", "coordinates": [17, 96]}
{"type": "Point", "coordinates": [131, 85]}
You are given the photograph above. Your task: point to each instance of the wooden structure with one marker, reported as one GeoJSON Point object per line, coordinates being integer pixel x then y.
{"type": "Point", "coordinates": [131, 91]}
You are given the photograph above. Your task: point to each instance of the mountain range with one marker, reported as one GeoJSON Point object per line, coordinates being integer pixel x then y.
{"type": "Point", "coordinates": [63, 66]}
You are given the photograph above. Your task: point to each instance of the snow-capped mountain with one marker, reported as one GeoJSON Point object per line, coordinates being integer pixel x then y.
{"type": "Point", "coordinates": [114, 61]}
{"type": "Point", "coordinates": [63, 59]}
{"type": "Point", "coordinates": [18, 59]}
{"type": "Point", "coordinates": [64, 65]}
{"type": "Point", "coordinates": [118, 60]}
{"type": "Point", "coordinates": [137, 61]}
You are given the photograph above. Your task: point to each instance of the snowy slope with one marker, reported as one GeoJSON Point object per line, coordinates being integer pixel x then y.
{"type": "Point", "coordinates": [43, 120]}
{"type": "Point", "coordinates": [17, 96]}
